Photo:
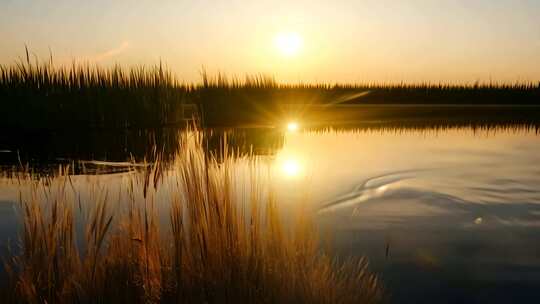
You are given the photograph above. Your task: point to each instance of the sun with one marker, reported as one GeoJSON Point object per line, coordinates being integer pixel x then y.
{"type": "Point", "coordinates": [289, 44]}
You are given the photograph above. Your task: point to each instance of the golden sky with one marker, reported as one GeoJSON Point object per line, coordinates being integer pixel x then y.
{"type": "Point", "coordinates": [307, 41]}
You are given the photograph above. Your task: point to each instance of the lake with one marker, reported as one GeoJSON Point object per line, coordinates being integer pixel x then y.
{"type": "Point", "coordinates": [444, 213]}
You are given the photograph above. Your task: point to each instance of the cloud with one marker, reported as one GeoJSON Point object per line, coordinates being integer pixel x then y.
{"type": "Point", "coordinates": [110, 53]}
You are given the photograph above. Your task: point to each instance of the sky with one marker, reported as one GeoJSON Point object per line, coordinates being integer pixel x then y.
{"type": "Point", "coordinates": [325, 41]}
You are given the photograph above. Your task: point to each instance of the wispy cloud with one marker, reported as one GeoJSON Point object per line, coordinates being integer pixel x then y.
{"type": "Point", "coordinates": [109, 53]}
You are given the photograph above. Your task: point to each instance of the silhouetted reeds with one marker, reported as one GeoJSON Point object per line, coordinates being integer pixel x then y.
{"type": "Point", "coordinates": [35, 95]}
{"type": "Point", "coordinates": [262, 100]}
{"type": "Point", "coordinates": [218, 246]}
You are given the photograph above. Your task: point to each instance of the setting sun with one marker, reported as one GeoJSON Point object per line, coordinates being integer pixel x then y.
{"type": "Point", "coordinates": [288, 44]}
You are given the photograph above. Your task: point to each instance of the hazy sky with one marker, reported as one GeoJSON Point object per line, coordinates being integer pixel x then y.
{"type": "Point", "coordinates": [341, 41]}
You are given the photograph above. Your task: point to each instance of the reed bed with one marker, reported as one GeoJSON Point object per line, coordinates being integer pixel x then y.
{"type": "Point", "coordinates": [43, 96]}
{"type": "Point", "coordinates": [38, 95]}
{"type": "Point", "coordinates": [216, 246]}
{"type": "Point", "coordinates": [261, 99]}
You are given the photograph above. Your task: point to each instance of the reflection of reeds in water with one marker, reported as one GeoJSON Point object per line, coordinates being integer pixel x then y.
{"type": "Point", "coordinates": [45, 158]}
{"type": "Point", "coordinates": [426, 127]}
{"type": "Point", "coordinates": [216, 248]}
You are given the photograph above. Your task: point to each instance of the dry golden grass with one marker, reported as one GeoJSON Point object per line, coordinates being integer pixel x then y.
{"type": "Point", "coordinates": [217, 248]}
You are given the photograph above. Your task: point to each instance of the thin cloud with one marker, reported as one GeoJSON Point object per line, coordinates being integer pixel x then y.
{"type": "Point", "coordinates": [110, 53]}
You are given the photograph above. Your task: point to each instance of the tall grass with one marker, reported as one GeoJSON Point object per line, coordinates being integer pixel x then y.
{"type": "Point", "coordinates": [216, 247]}
{"type": "Point", "coordinates": [41, 95]}
{"type": "Point", "coordinates": [263, 100]}
{"type": "Point", "coordinates": [37, 95]}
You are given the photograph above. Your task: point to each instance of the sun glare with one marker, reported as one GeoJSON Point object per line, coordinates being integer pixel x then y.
{"type": "Point", "coordinates": [292, 126]}
{"type": "Point", "coordinates": [288, 44]}
{"type": "Point", "coordinates": [291, 167]}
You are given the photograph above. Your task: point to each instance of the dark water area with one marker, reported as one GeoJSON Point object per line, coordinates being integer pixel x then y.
{"type": "Point", "coordinates": [50, 147]}
{"type": "Point", "coordinates": [446, 211]}
{"type": "Point", "coordinates": [113, 151]}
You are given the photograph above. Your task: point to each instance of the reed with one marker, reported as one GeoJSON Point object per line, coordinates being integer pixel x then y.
{"type": "Point", "coordinates": [38, 95]}
{"type": "Point", "coordinates": [219, 246]}
{"type": "Point", "coordinates": [44, 96]}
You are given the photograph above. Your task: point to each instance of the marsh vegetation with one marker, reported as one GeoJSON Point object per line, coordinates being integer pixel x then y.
{"type": "Point", "coordinates": [215, 245]}
{"type": "Point", "coordinates": [44, 96]}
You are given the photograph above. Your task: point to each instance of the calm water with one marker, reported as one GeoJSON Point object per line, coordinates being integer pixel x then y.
{"type": "Point", "coordinates": [444, 215]}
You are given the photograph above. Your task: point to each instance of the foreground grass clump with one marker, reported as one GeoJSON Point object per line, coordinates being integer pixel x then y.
{"type": "Point", "coordinates": [215, 247]}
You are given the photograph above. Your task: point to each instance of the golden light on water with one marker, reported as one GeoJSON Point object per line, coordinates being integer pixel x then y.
{"type": "Point", "coordinates": [292, 126]}
{"type": "Point", "coordinates": [288, 44]}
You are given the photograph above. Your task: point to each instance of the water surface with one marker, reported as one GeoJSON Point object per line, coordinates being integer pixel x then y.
{"type": "Point", "coordinates": [444, 214]}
